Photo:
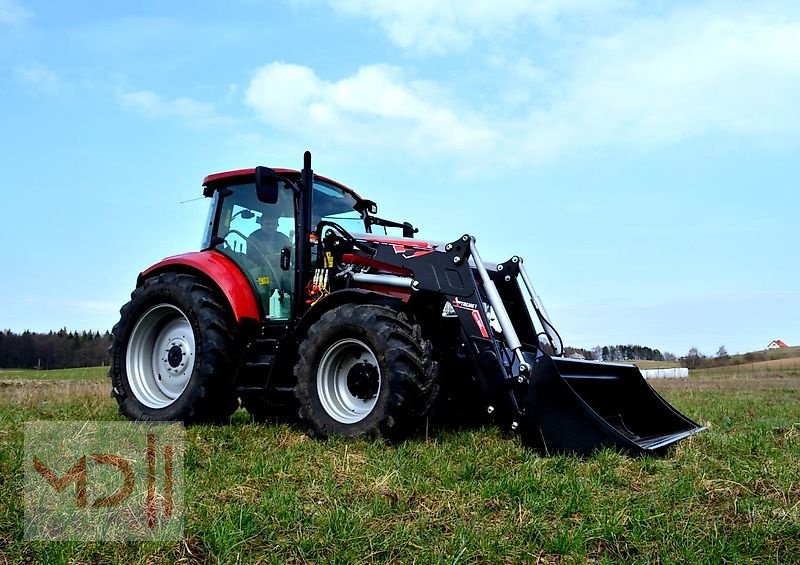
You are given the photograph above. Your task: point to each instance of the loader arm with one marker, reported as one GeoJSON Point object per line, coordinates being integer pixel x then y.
{"type": "Point", "coordinates": [513, 348]}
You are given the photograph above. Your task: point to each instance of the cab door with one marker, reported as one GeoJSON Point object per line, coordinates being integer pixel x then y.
{"type": "Point", "coordinates": [260, 239]}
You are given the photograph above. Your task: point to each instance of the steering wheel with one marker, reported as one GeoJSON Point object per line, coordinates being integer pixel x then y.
{"type": "Point", "coordinates": [235, 232]}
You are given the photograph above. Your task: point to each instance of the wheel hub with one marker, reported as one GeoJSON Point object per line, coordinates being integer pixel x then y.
{"type": "Point", "coordinates": [362, 380]}
{"type": "Point", "coordinates": [176, 357]}
{"type": "Point", "coordinates": [348, 380]}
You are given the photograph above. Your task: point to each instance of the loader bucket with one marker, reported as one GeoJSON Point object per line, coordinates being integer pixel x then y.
{"type": "Point", "coordinates": [580, 406]}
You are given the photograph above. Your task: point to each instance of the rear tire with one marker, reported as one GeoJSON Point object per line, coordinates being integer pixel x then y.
{"type": "Point", "coordinates": [173, 354]}
{"type": "Point", "coordinates": [365, 370]}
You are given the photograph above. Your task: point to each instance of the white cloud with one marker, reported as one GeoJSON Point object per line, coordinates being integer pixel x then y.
{"type": "Point", "coordinates": [39, 77]}
{"type": "Point", "coordinates": [154, 106]}
{"type": "Point", "coordinates": [691, 73]}
{"type": "Point", "coordinates": [377, 106]}
{"type": "Point", "coordinates": [12, 13]}
{"type": "Point", "coordinates": [438, 26]}
{"type": "Point", "coordinates": [658, 81]}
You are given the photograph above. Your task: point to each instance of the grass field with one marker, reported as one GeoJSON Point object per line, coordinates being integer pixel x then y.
{"type": "Point", "coordinates": [269, 494]}
{"type": "Point", "coordinates": [773, 366]}
{"type": "Point", "coordinates": [780, 361]}
{"type": "Point", "coordinates": [781, 353]}
{"type": "Point", "coordinates": [81, 374]}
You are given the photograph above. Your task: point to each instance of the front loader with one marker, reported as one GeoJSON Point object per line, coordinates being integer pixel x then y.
{"type": "Point", "coordinates": [296, 308]}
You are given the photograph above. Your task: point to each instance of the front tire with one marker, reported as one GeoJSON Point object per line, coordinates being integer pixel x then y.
{"type": "Point", "coordinates": [173, 353]}
{"type": "Point", "coordinates": [365, 370]}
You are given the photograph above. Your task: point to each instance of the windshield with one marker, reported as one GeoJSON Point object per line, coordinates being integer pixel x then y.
{"type": "Point", "coordinates": [332, 204]}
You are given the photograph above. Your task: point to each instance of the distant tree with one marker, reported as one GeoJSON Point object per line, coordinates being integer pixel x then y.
{"type": "Point", "coordinates": [722, 352]}
{"type": "Point", "coordinates": [670, 356]}
{"type": "Point", "coordinates": [571, 351]}
{"type": "Point", "coordinates": [693, 359]}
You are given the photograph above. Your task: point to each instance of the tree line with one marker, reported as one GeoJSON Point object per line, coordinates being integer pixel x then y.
{"type": "Point", "coordinates": [628, 352]}
{"type": "Point", "coordinates": [66, 349]}
{"type": "Point", "coordinates": [54, 350]}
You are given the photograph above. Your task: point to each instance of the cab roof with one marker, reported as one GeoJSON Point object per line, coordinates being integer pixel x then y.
{"type": "Point", "coordinates": [243, 174]}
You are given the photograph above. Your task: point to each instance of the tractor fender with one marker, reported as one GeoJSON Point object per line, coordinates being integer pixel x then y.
{"type": "Point", "coordinates": [340, 297]}
{"type": "Point", "coordinates": [218, 270]}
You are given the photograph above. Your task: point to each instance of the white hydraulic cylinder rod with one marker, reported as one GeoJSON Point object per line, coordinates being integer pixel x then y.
{"type": "Point", "coordinates": [388, 280]}
{"type": "Point", "coordinates": [534, 298]}
{"type": "Point", "coordinates": [493, 296]}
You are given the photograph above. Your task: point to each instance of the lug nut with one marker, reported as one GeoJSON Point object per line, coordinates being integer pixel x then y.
{"type": "Point", "coordinates": [507, 278]}
{"type": "Point", "coordinates": [490, 410]}
{"type": "Point", "coordinates": [456, 259]}
{"type": "Point", "coordinates": [515, 259]}
{"type": "Point", "coordinates": [520, 379]}
{"type": "Point", "coordinates": [514, 425]}
{"type": "Point", "coordinates": [448, 247]}
{"type": "Point", "coordinates": [500, 267]}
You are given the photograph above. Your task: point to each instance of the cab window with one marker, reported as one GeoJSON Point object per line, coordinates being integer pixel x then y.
{"type": "Point", "coordinates": [333, 204]}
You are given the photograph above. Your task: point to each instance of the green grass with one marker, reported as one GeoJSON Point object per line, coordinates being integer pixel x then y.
{"type": "Point", "coordinates": [81, 373]}
{"type": "Point", "coordinates": [270, 494]}
{"type": "Point", "coordinates": [777, 367]}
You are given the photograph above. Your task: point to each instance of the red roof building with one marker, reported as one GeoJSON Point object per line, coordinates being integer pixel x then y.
{"type": "Point", "coordinates": [777, 344]}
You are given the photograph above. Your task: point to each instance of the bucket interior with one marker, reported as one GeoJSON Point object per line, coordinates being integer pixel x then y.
{"type": "Point", "coordinates": [582, 406]}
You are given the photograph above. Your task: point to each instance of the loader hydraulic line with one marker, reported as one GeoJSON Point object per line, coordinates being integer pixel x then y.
{"type": "Point", "coordinates": [538, 308]}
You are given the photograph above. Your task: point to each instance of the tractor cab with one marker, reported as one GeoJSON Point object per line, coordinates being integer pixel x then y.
{"type": "Point", "coordinates": [261, 237]}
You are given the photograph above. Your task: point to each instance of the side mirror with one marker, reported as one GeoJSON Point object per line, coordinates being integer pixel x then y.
{"type": "Point", "coordinates": [266, 185]}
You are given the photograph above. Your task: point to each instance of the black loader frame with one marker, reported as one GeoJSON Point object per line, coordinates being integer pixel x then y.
{"type": "Point", "coordinates": [558, 404]}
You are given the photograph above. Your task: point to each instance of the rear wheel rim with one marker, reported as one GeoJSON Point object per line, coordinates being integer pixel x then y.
{"type": "Point", "coordinates": [160, 356]}
{"type": "Point", "coordinates": [348, 381]}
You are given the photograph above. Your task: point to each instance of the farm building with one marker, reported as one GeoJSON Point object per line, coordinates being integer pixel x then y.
{"type": "Point", "coordinates": [776, 344]}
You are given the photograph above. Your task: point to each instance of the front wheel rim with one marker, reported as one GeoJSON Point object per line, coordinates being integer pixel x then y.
{"type": "Point", "coordinates": [160, 356]}
{"type": "Point", "coordinates": [348, 381]}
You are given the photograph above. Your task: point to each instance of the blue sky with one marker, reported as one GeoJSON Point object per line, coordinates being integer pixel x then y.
{"type": "Point", "coordinates": [641, 156]}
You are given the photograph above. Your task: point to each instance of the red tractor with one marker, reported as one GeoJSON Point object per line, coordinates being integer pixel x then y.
{"type": "Point", "coordinates": [295, 307]}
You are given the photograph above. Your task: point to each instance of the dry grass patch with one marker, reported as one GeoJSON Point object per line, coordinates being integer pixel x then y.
{"type": "Point", "coordinates": [31, 393]}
